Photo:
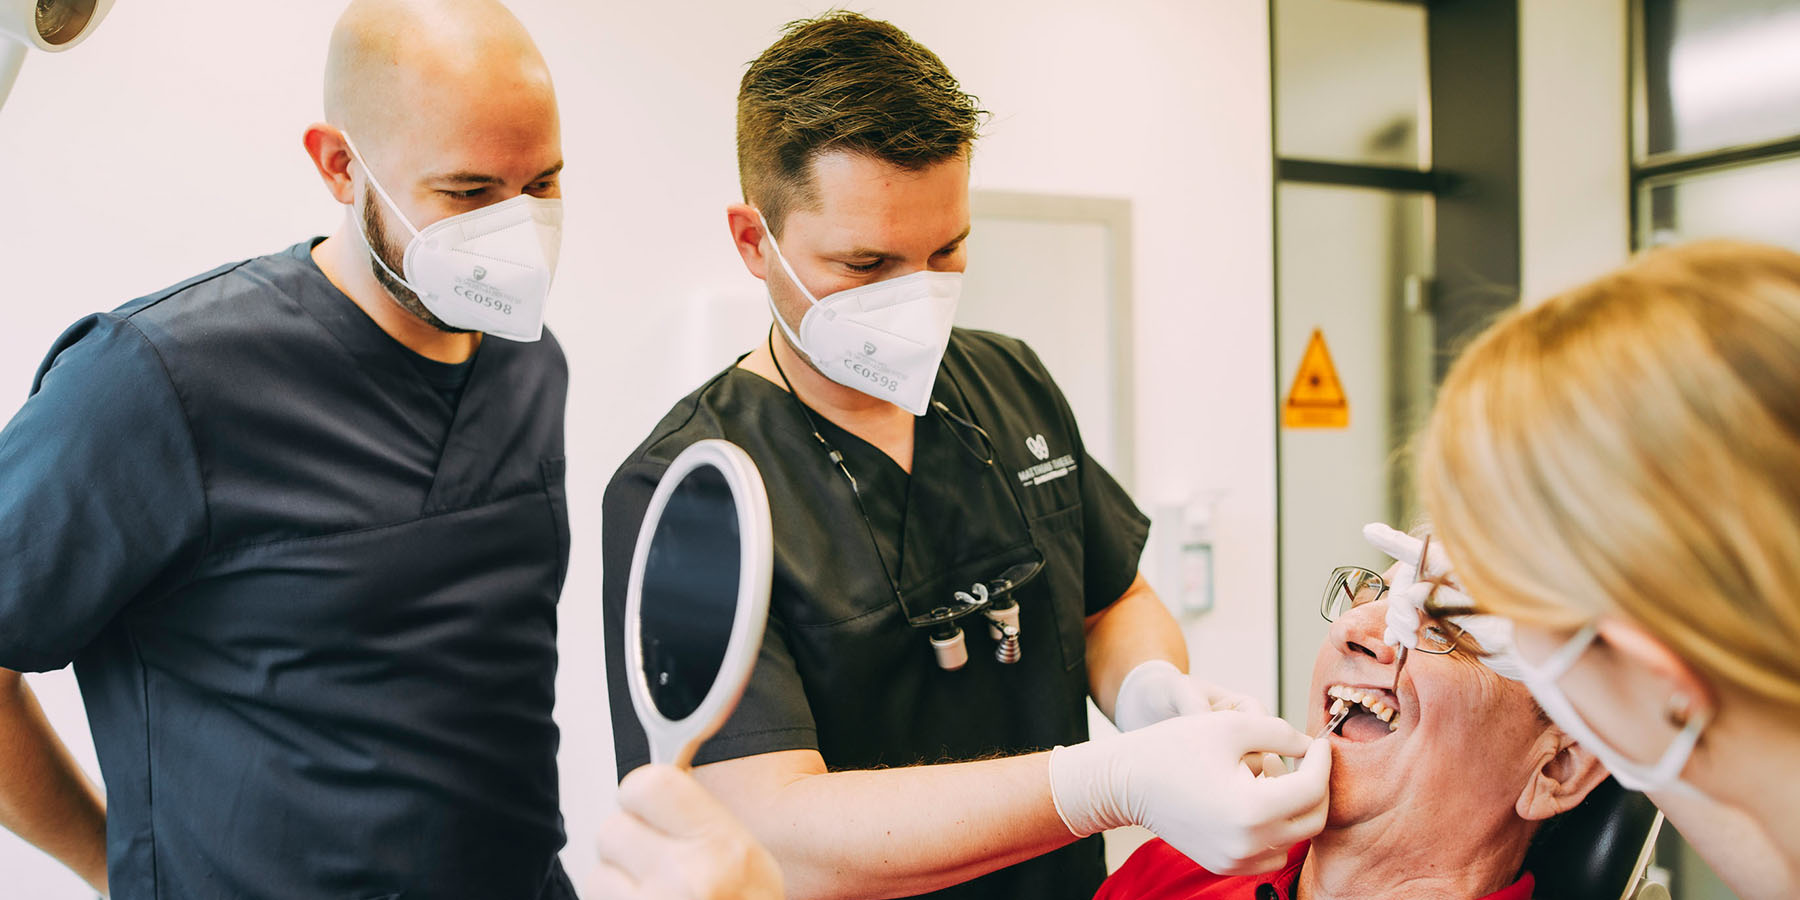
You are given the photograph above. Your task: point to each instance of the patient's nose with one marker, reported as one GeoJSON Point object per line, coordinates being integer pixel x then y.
{"type": "Point", "coordinates": [1360, 631]}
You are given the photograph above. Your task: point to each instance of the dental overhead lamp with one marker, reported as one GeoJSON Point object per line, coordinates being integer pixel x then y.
{"type": "Point", "coordinates": [48, 25]}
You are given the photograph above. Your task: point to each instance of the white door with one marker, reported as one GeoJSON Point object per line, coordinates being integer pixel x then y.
{"type": "Point", "coordinates": [1055, 272]}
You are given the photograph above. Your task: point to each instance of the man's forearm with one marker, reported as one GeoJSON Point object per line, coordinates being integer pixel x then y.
{"type": "Point", "coordinates": [1134, 630]}
{"type": "Point", "coordinates": [44, 798]}
{"type": "Point", "coordinates": [896, 832]}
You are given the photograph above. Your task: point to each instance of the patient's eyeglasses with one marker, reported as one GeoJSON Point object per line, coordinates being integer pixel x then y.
{"type": "Point", "coordinates": [1354, 586]}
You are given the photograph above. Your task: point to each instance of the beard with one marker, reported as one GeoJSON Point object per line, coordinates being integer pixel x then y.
{"type": "Point", "coordinates": [376, 237]}
{"type": "Point", "coordinates": [788, 335]}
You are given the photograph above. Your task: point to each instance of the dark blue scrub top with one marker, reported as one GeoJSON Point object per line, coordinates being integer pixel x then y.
{"type": "Point", "coordinates": [311, 604]}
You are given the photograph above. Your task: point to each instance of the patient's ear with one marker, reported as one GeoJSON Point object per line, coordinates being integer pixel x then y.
{"type": "Point", "coordinates": [1563, 775]}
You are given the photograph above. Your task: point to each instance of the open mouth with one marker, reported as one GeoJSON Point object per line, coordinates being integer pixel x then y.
{"type": "Point", "coordinates": [1373, 712]}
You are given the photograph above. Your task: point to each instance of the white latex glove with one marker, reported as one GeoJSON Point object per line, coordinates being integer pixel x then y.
{"type": "Point", "coordinates": [671, 840]}
{"type": "Point", "coordinates": [1182, 778]}
{"type": "Point", "coordinates": [1406, 599]}
{"type": "Point", "coordinates": [1157, 690]}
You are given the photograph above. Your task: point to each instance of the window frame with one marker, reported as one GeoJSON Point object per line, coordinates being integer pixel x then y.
{"type": "Point", "coordinates": [1649, 171]}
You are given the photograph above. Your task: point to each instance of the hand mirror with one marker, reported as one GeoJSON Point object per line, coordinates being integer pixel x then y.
{"type": "Point", "coordinates": [698, 597]}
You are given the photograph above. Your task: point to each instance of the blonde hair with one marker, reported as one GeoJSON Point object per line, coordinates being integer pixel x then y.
{"type": "Point", "coordinates": [1633, 447]}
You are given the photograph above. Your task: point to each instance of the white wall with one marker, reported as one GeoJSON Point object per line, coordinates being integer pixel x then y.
{"type": "Point", "coordinates": [1348, 73]}
{"type": "Point", "coordinates": [169, 143]}
{"type": "Point", "coordinates": [1338, 273]}
{"type": "Point", "coordinates": [1574, 202]}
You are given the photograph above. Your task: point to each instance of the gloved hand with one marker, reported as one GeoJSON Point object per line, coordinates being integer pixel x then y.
{"type": "Point", "coordinates": [1182, 778]}
{"type": "Point", "coordinates": [672, 841]}
{"type": "Point", "coordinates": [1406, 599]}
{"type": "Point", "coordinates": [1157, 690]}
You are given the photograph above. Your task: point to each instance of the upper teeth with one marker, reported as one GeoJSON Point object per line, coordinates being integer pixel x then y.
{"type": "Point", "coordinates": [1369, 700]}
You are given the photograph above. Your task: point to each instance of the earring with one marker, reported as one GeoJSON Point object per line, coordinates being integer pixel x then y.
{"type": "Point", "coordinates": [1679, 710]}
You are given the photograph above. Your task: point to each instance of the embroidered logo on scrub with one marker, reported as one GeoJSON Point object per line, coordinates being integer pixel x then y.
{"type": "Point", "coordinates": [1049, 469]}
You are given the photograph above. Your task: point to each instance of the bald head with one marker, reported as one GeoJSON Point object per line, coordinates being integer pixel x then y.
{"type": "Point", "coordinates": [434, 108]}
{"type": "Point", "coordinates": [396, 65]}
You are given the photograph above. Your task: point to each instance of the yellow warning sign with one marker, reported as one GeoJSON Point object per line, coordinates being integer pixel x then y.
{"type": "Point", "coordinates": [1317, 398]}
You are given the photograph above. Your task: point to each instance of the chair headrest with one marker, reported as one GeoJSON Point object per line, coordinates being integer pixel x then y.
{"type": "Point", "coordinates": [1589, 852]}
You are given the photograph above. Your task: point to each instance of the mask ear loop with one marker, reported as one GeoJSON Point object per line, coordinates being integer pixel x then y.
{"type": "Point", "coordinates": [1691, 724]}
{"type": "Point", "coordinates": [373, 254]}
{"type": "Point", "coordinates": [373, 182]}
{"type": "Point", "coordinates": [1565, 656]}
{"type": "Point", "coordinates": [792, 338]}
{"type": "Point", "coordinates": [781, 257]}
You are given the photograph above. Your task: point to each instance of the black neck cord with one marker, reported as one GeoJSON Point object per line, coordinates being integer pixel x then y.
{"type": "Point", "coordinates": [837, 459]}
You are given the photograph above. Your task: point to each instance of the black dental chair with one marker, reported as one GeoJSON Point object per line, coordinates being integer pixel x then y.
{"type": "Point", "coordinates": [1598, 850]}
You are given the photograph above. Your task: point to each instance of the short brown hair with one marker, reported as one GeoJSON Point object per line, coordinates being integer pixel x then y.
{"type": "Point", "coordinates": [844, 82]}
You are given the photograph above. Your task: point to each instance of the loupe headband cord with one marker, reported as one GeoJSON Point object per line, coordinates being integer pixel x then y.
{"type": "Point", "coordinates": [837, 459]}
{"type": "Point", "coordinates": [945, 411]}
{"type": "Point", "coordinates": [1012, 491]}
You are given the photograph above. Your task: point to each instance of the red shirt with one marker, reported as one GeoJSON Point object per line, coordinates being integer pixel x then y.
{"type": "Point", "coordinates": [1158, 871]}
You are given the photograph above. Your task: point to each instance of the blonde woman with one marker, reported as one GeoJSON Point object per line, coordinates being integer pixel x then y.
{"type": "Point", "coordinates": [1617, 471]}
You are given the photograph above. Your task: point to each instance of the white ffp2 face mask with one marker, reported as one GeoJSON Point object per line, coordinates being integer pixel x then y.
{"type": "Point", "coordinates": [884, 339]}
{"type": "Point", "coordinates": [486, 270]}
{"type": "Point", "coordinates": [1662, 775]}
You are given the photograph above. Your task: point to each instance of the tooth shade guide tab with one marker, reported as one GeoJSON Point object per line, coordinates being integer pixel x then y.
{"type": "Point", "coordinates": [1340, 714]}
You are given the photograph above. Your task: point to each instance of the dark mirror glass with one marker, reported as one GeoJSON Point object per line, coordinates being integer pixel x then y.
{"type": "Point", "coordinates": [690, 592]}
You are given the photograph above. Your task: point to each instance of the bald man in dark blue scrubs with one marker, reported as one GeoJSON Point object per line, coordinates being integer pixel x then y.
{"type": "Point", "coordinates": [301, 535]}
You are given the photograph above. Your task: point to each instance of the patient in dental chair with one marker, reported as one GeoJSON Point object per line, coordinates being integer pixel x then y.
{"type": "Point", "coordinates": [1441, 801]}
